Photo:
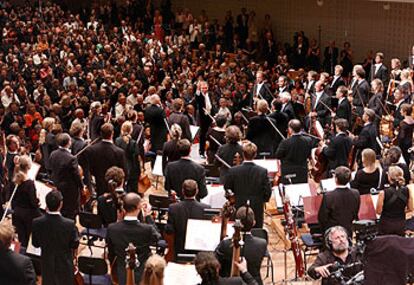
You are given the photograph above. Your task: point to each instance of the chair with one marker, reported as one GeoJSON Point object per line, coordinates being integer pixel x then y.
{"type": "Point", "coordinates": [311, 242]}
{"type": "Point", "coordinates": [93, 228]}
{"type": "Point", "coordinates": [95, 270]}
{"type": "Point", "coordinates": [262, 233]}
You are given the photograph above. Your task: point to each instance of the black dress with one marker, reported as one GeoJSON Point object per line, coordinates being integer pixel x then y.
{"type": "Point", "coordinates": [364, 182]}
{"type": "Point", "coordinates": [26, 207]}
{"type": "Point", "coordinates": [132, 163]}
{"type": "Point", "coordinates": [405, 139]}
{"type": "Point", "coordinates": [392, 219]}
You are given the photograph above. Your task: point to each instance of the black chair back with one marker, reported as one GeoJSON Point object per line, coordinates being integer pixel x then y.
{"type": "Point", "coordinates": [90, 220]}
{"type": "Point", "coordinates": [159, 202]}
{"type": "Point", "coordinates": [92, 265]}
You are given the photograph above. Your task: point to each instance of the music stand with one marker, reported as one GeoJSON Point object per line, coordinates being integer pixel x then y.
{"type": "Point", "coordinates": [295, 193]}
{"type": "Point", "coordinates": [157, 170]}
{"type": "Point", "coordinates": [92, 266]}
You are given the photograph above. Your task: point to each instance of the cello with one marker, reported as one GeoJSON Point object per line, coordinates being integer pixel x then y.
{"type": "Point", "coordinates": [227, 212]}
{"type": "Point", "coordinates": [237, 243]}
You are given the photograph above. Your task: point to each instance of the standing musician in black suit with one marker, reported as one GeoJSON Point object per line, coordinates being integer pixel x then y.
{"type": "Point", "coordinates": [375, 102]}
{"type": "Point", "coordinates": [320, 103]}
{"type": "Point", "coordinates": [286, 107]}
{"type": "Point", "coordinates": [311, 81]}
{"type": "Point", "coordinates": [66, 176]}
{"type": "Point", "coordinates": [344, 109]}
{"type": "Point", "coordinates": [179, 213]}
{"type": "Point", "coordinates": [283, 84]}
{"type": "Point", "coordinates": [341, 206]}
{"type": "Point", "coordinates": [76, 133]}
{"type": "Point", "coordinates": [261, 132]}
{"type": "Point", "coordinates": [249, 181]}
{"type": "Point", "coordinates": [98, 158]}
{"type": "Point", "coordinates": [398, 102]}
{"type": "Point", "coordinates": [261, 89]}
{"type": "Point", "coordinates": [170, 151]}
{"type": "Point", "coordinates": [294, 152]}
{"type": "Point", "coordinates": [379, 70]}
{"type": "Point", "coordinates": [360, 89]}
{"type": "Point", "coordinates": [58, 239]}
{"type": "Point", "coordinates": [130, 230]}
{"type": "Point", "coordinates": [230, 151]}
{"type": "Point", "coordinates": [254, 248]}
{"type": "Point", "coordinates": [340, 145]}
{"type": "Point", "coordinates": [96, 120]}
{"type": "Point", "coordinates": [337, 80]}
{"type": "Point", "coordinates": [184, 168]}
{"type": "Point", "coordinates": [204, 109]}
{"type": "Point", "coordinates": [368, 135]}
{"type": "Point", "coordinates": [177, 117]}
{"type": "Point", "coordinates": [155, 117]}
{"type": "Point", "coordinates": [15, 268]}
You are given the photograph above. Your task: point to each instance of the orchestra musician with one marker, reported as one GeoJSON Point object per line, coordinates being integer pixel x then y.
{"type": "Point", "coordinates": [154, 116]}
{"type": "Point", "coordinates": [371, 176]}
{"type": "Point", "coordinates": [337, 80]}
{"type": "Point", "coordinates": [130, 230]}
{"type": "Point", "coordinates": [254, 248]}
{"type": "Point", "coordinates": [344, 109]}
{"type": "Point", "coordinates": [311, 81]}
{"type": "Point", "coordinates": [215, 137]}
{"type": "Point", "coordinates": [379, 70]}
{"type": "Point", "coordinates": [58, 239]}
{"type": "Point", "coordinates": [294, 152]}
{"type": "Point", "coordinates": [261, 89]}
{"type": "Point", "coordinates": [283, 84]}
{"type": "Point", "coordinates": [229, 151]}
{"type": "Point", "coordinates": [392, 202]}
{"type": "Point", "coordinates": [204, 109]}
{"type": "Point", "coordinates": [96, 120]}
{"type": "Point", "coordinates": [78, 143]}
{"type": "Point", "coordinates": [341, 206]}
{"type": "Point", "coordinates": [360, 89]}
{"type": "Point", "coordinates": [398, 102]}
{"type": "Point", "coordinates": [170, 151]}
{"type": "Point", "coordinates": [179, 213]}
{"type": "Point", "coordinates": [393, 158]}
{"type": "Point", "coordinates": [208, 267]}
{"type": "Point", "coordinates": [337, 151]}
{"type": "Point", "coordinates": [320, 110]}
{"type": "Point", "coordinates": [405, 134]}
{"type": "Point", "coordinates": [249, 181]}
{"type": "Point", "coordinates": [15, 268]}
{"type": "Point", "coordinates": [184, 168]}
{"type": "Point", "coordinates": [261, 132]}
{"type": "Point", "coordinates": [337, 249]}
{"type": "Point", "coordinates": [375, 102]}
{"type": "Point", "coordinates": [287, 107]}
{"type": "Point", "coordinates": [177, 117]}
{"type": "Point", "coordinates": [65, 176]}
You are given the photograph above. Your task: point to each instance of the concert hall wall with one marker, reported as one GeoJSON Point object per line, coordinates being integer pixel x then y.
{"type": "Point", "coordinates": [366, 24]}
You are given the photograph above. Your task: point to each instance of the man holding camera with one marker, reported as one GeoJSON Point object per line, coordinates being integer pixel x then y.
{"type": "Point", "coordinates": [338, 260]}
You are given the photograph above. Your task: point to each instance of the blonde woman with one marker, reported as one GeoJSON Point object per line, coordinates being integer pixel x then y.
{"type": "Point", "coordinates": [154, 271]}
{"type": "Point", "coordinates": [370, 176]}
{"type": "Point", "coordinates": [130, 147]}
{"type": "Point", "coordinates": [392, 202]}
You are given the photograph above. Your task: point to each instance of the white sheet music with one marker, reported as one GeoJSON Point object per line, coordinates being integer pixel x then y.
{"type": "Point", "coordinates": [41, 191]}
{"type": "Point", "coordinates": [32, 173]}
{"type": "Point", "coordinates": [194, 131]}
{"type": "Point", "coordinates": [33, 250]}
{"type": "Point", "coordinates": [215, 197]}
{"type": "Point", "coordinates": [204, 235]}
{"type": "Point", "coordinates": [157, 170]}
{"type": "Point", "coordinates": [269, 164]}
{"type": "Point", "coordinates": [294, 192]}
{"type": "Point", "coordinates": [183, 274]}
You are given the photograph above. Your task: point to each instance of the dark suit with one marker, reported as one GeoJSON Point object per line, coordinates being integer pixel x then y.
{"type": "Point", "coordinates": [254, 251]}
{"type": "Point", "coordinates": [339, 208]}
{"type": "Point", "coordinates": [344, 111]}
{"type": "Point", "coordinates": [120, 234]}
{"type": "Point", "coordinates": [288, 111]}
{"type": "Point", "coordinates": [169, 153]}
{"type": "Point", "coordinates": [204, 119]}
{"type": "Point", "coordinates": [335, 85]}
{"type": "Point", "coordinates": [261, 132]}
{"type": "Point", "coordinates": [95, 125]}
{"type": "Point", "coordinates": [360, 93]}
{"type": "Point", "coordinates": [264, 92]}
{"type": "Point", "coordinates": [227, 152]}
{"type": "Point", "coordinates": [178, 171]}
{"type": "Point", "coordinates": [77, 145]}
{"type": "Point", "coordinates": [66, 177]}
{"type": "Point", "coordinates": [97, 159]}
{"type": "Point", "coordinates": [57, 237]}
{"type": "Point", "coordinates": [368, 138]}
{"type": "Point", "coordinates": [181, 120]}
{"type": "Point", "coordinates": [375, 104]}
{"type": "Point", "coordinates": [381, 74]}
{"type": "Point", "coordinates": [178, 215]}
{"type": "Point", "coordinates": [324, 114]}
{"type": "Point", "coordinates": [16, 269]}
{"type": "Point", "coordinates": [338, 150]}
{"type": "Point", "coordinates": [154, 116]}
{"type": "Point", "coordinates": [249, 181]}
{"type": "Point", "coordinates": [293, 153]}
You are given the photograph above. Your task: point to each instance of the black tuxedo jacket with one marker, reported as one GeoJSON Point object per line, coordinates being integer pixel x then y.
{"type": "Point", "coordinates": [338, 82]}
{"type": "Point", "coordinates": [16, 269]}
{"type": "Point", "coordinates": [289, 111]}
{"type": "Point", "coordinates": [249, 181]}
{"type": "Point", "coordinates": [381, 74]}
{"type": "Point", "coordinates": [368, 138]}
{"type": "Point", "coordinates": [97, 159]}
{"type": "Point", "coordinates": [77, 145]}
{"type": "Point", "coordinates": [67, 179]}
{"type": "Point", "coordinates": [154, 116]}
{"type": "Point", "coordinates": [120, 234]}
{"type": "Point", "coordinates": [254, 251]}
{"type": "Point", "coordinates": [178, 215]}
{"type": "Point", "coordinates": [169, 153]}
{"type": "Point", "coordinates": [293, 153]}
{"type": "Point", "coordinates": [338, 150]}
{"type": "Point", "coordinates": [339, 208]}
{"type": "Point", "coordinates": [263, 135]}
{"type": "Point", "coordinates": [57, 237]}
{"type": "Point", "coordinates": [324, 114]}
{"type": "Point", "coordinates": [360, 90]}
{"type": "Point", "coordinates": [200, 104]}
{"type": "Point", "coordinates": [264, 92]}
{"type": "Point", "coordinates": [227, 152]}
{"type": "Point", "coordinates": [344, 111]}
{"type": "Point", "coordinates": [181, 120]}
{"type": "Point", "coordinates": [95, 125]}
{"type": "Point", "coordinates": [374, 104]}
{"type": "Point", "coordinates": [178, 171]}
